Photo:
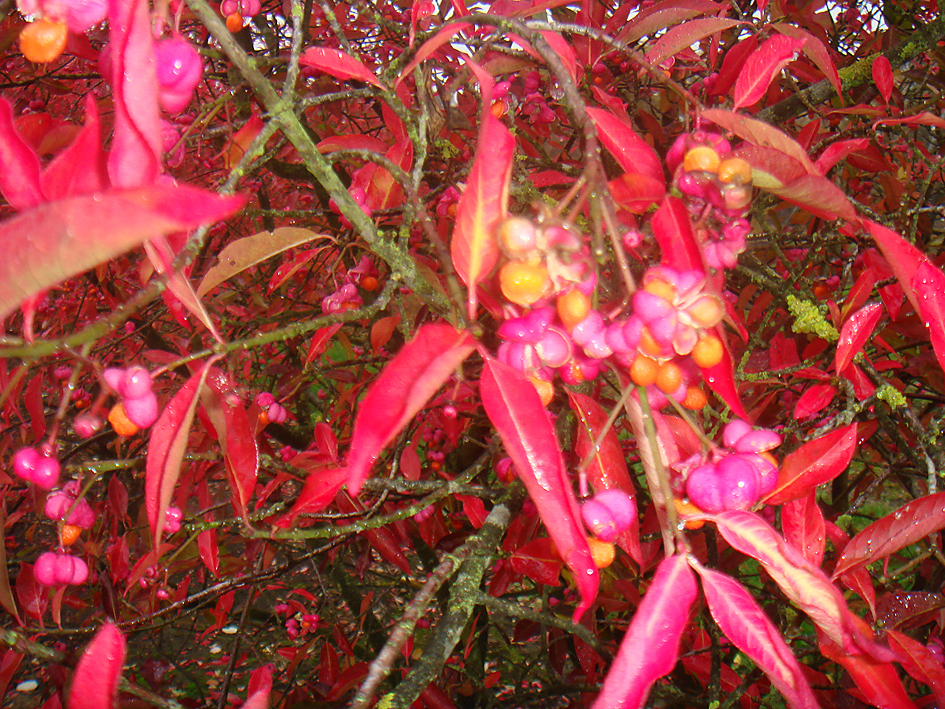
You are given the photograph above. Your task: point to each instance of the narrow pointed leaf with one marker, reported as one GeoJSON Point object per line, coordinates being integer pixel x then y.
{"type": "Point", "coordinates": [883, 77]}
{"type": "Point", "coordinates": [484, 202]}
{"type": "Point", "coordinates": [405, 386]}
{"type": "Point", "coordinates": [166, 449]}
{"type": "Point", "coordinates": [630, 151]}
{"type": "Point", "coordinates": [685, 35]}
{"type": "Point", "coordinates": [902, 257]}
{"type": "Point", "coordinates": [539, 561]}
{"type": "Point", "coordinates": [95, 681]}
{"type": "Point", "coordinates": [661, 15]}
{"type": "Point", "coordinates": [929, 287]}
{"type": "Point", "coordinates": [321, 485]}
{"type": "Point", "coordinates": [6, 593]}
{"type": "Point", "coordinates": [760, 133]}
{"type": "Point", "coordinates": [55, 241]}
{"type": "Point", "coordinates": [817, 195]}
{"type": "Point", "coordinates": [815, 50]}
{"type": "Point", "coordinates": [856, 331]}
{"type": "Point", "coordinates": [907, 525]}
{"type": "Point", "coordinates": [240, 141]}
{"type": "Point", "coordinates": [814, 399]}
{"type": "Point", "coordinates": [650, 649]}
{"type": "Point", "coordinates": [260, 686]}
{"type": "Point", "coordinates": [761, 68]}
{"type": "Point", "coordinates": [919, 662]}
{"type": "Point", "coordinates": [338, 64]}
{"type": "Point", "coordinates": [161, 257]}
{"type": "Point", "coordinates": [515, 410]}
{"type": "Point", "coordinates": [673, 231]}
{"type": "Point", "coordinates": [835, 152]}
{"type": "Point", "coordinates": [805, 585]}
{"type": "Point", "coordinates": [745, 623]}
{"type": "Point", "coordinates": [804, 527]}
{"type": "Point", "coordinates": [19, 164]}
{"type": "Point", "coordinates": [815, 463]}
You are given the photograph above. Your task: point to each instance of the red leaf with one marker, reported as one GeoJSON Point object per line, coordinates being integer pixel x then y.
{"type": "Point", "coordinates": [685, 35]}
{"type": "Point", "coordinates": [804, 584]}
{"type": "Point", "coordinates": [814, 400]}
{"type": "Point", "coordinates": [19, 178]}
{"type": "Point", "coordinates": [721, 380]}
{"type": "Point", "coordinates": [732, 63]}
{"type": "Point", "coordinates": [907, 525]}
{"type": "Point", "coordinates": [760, 133]}
{"type": "Point", "coordinates": [6, 593]}
{"type": "Point", "coordinates": [351, 142]}
{"type": "Point", "coordinates": [55, 241]}
{"type": "Point", "coordinates": [835, 152]}
{"type": "Point", "coordinates": [539, 561]}
{"type": "Point", "coordinates": [745, 623]}
{"type": "Point", "coordinates": [817, 195]}
{"type": "Point", "coordinates": [384, 192]}
{"type": "Point", "coordinates": [209, 550]}
{"type": "Point", "coordinates": [442, 36]}
{"type": "Point", "coordinates": [929, 287]}
{"type": "Point", "coordinates": [630, 151]}
{"type": "Point", "coordinates": [321, 486]}
{"type": "Point", "coordinates": [515, 410]}
{"type": "Point", "coordinates": [239, 142]}
{"type": "Point", "coordinates": [919, 119]}
{"type": "Point", "coordinates": [162, 259]}
{"type": "Point", "coordinates": [814, 463]}
{"type": "Point", "coordinates": [404, 387]}
{"type": "Point", "coordinates": [901, 256]}
{"type": "Point", "coordinates": [919, 662]}
{"type": "Point", "coordinates": [883, 76]}
{"type": "Point", "coordinates": [661, 15]}
{"type": "Point", "coordinates": [338, 64]}
{"type": "Point", "coordinates": [856, 331]}
{"type": "Point", "coordinates": [166, 450]}
{"type": "Point", "coordinates": [673, 231]}
{"type": "Point", "coordinates": [260, 686]}
{"type": "Point", "coordinates": [33, 596]}
{"type": "Point", "coordinates": [95, 680]}
{"type": "Point", "coordinates": [236, 434]}
{"type": "Point", "coordinates": [650, 648]}
{"type": "Point", "coordinates": [484, 202]}
{"type": "Point", "coordinates": [559, 45]}
{"type": "Point", "coordinates": [804, 527]}
{"type": "Point", "coordinates": [816, 51]}
{"type": "Point", "coordinates": [762, 66]}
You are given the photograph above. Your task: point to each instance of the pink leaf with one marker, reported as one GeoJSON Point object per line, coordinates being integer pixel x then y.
{"type": "Point", "coordinates": [856, 331]}
{"type": "Point", "coordinates": [835, 152]}
{"type": "Point", "coordinates": [338, 64]}
{"type": "Point", "coordinates": [814, 400]}
{"type": "Point", "coordinates": [55, 241]}
{"type": "Point", "coordinates": [135, 158]}
{"type": "Point", "coordinates": [661, 15]}
{"type": "Point", "coordinates": [162, 259]}
{"type": "Point", "coordinates": [630, 151]}
{"type": "Point", "coordinates": [883, 76]}
{"type": "Point", "coordinates": [815, 50]}
{"type": "Point", "coordinates": [650, 649]}
{"type": "Point", "coordinates": [685, 35]}
{"type": "Point", "coordinates": [745, 623]}
{"type": "Point", "coordinates": [929, 287]}
{"type": "Point", "coordinates": [166, 450]}
{"type": "Point", "coordinates": [236, 435]}
{"type": "Point", "coordinates": [19, 164]}
{"type": "Point", "coordinates": [819, 196]}
{"type": "Point", "coordinates": [804, 527]}
{"type": "Point", "coordinates": [484, 202]}
{"type": "Point", "coordinates": [814, 463]}
{"type": "Point", "coordinates": [761, 68]}
{"type": "Point", "coordinates": [805, 585]}
{"type": "Point", "coordinates": [95, 681]}
{"type": "Point", "coordinates": [260, 686]}
{"type": "Point", "coordinates": [760, 133]}
{"type": "Point", "coordinates": [907, 525]}
{"type": "Point", "coordinates": [515, 410]}
{"type": "Point", "coordinates": [919, 662]}
{"type": "Point", "coordinates": [404, 387]}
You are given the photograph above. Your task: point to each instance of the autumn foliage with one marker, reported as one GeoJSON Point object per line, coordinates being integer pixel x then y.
{"type": "Point", "coordinates": [512, 354]}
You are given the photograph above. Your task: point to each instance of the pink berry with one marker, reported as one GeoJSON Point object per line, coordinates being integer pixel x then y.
{"type": "Point", "coordinates": [588, 328]}
{"type": "Point", "coordinates": [651, 307]}
{"type": "Point", "coordinates": [142, 411]}
{"type": "Point", "coordinates": [621, 506]}
{"type": "Point", "coordinates": [250, 8]}
{"type": "Point", "coordinates": [739, 483]}
{"type": "Point", "coordinates": [57, 505]}
{"type": "Point", "coordinates": [87, 424]}
{"type": "Point", "coordinates": [265, 400]}
{"type": "Point", "coordinates": [172, 520]}
{"type": "Point", "coordinates": [114, 376]}
{"type": "Point", "coordinates": [554, 348]}
{"type": "Point", "coordinates": [228, 7]}
{"type": "Point", "coordinates": [758, 441]}
{"type": "Point", "coordinates": [277, 413]}
{"type": "Point", "coordinates": [450, 413]}
{"type": "Point", "coordinates": [599, 519]}
{"type": "Point", "coordinates": [70, 570]}
{"type": "Point", "coordinates": [46, 473]}
{"type": "Point", "coordinates": [82, 516]}
{"type": "Point", "coordinates": [733, 431]}
{"type": "Point", "coordinates": [179, 69]}
{"type": "Point", "coordinates": [25, 461]}
{"type": "Point", "coordinates": [162, 594]}
{"type": "Point", "coordinates": [136, 383]}
{"type": "Point", "coordinates": [704, 488]}
{"type": "Point", "coordinates": [517, 235]}
{"type": "Point", "coordinates": [44, 570]}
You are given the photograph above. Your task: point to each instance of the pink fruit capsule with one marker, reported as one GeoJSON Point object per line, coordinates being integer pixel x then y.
{"type": "Point", "coordinates": [265, 400]}
{"type": "Point", "coordinates": [179, 69]}
{"type": "Point", "coordinates": [46, 473]}
{"type": "Point", "coordinates": [57, 505]}
{"type": "Point", "coordinates": [739, 483]}
{"type": "Point", "coordinates": [758, 441]}
{"type": "Point", "coordinates": [142, 411]}
{"type": "Point", "coordinates": [172, 520]}
{"type": "Point", "coordinates": [599, 520]}
{"type": "Point", "coordinates": [704, 489]}
{"type": "Point", "coordinates": [650, 307]}
{"type": "Point", "coordinates": [87, 425]}
{"type": "Point", "coordinates": [621, 506]}
{"type": "Point", "coordinates": [115, 377]}
{"type": "Point", "coordinates": [136, 383]}
{"type": "Point", "coordinates": [554, 348]}
{"type": "Point", "coordinates": [25, 461]}
{"type": "Point", "coordinates": [733, 431]}
{"type": "Point", "coordinates": [44, 570]}
{"type": "Point", "coordinates": [588, 328]}
{"type": "Point", "coordinates": [277, 414]}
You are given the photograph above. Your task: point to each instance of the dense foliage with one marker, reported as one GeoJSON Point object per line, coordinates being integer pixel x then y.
{"type": "Point", "coordinates": [505, 354]}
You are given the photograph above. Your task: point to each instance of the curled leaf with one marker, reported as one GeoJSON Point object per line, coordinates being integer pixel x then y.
{"type": "Point", "coordinates": [855, 332]}
{"type": "Point", "coordinates": [762, 66]}
{"type": "Point", "coordinates": [338, 64]}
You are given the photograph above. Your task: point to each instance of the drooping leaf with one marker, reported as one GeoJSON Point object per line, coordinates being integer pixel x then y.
{"type": "Point", "coordinates": [817, 195]}
{"type": "Point", "coordinates": [721, 379]}
{"type": "Point", "coordinates": [760, 133]}
{"type": "Point", "coordinates": [804, 529]}
{"type": "Point", "coordinates": [929, 287]}
{"type": "Point", "coordinates": [673, 231]}
{"type": "Point", "coordinates": [761, 68]}
{"type": "Point", "coordinates": [667, 452]}
{"type": "Point", "coordinates": [919, 662]}
{"type": "Point", "coordinates": [685, 35]}
{"type": "Point", "coordinates": [883, 76]}
{"type": "Point", "coordinates": [805, 585]}
{"type": "Point", "coordinates": [771, 169]}
{"type": "Point", "coordinates": [338, 64]}
{"type": "Point", "coordinates": [166, 448]}
{"type": "Point", "coordinates": [906, 608]}
{"type": "Point", "coordinates": [732, 63]}
{"type": "Point", "coordinates": [19, 164]}
{"type": "Point", "coordinates": [484, 202]}
{"type": "Point", "coordinates": [816, 51]}
{"type": "Point", "coordinates": [404, 387]}
{"type": "Point", "coordinates": [923, 118]}
{"type": "Point", "coordinates": [55, 241]}
{"type": "Point", "coordinates": [243, 253]}
{"type": "Point", "coordinates": [236, 435]}
{"type": "Point", "coordinates": [559, 45]}
{"type": "Point", "coordinates": [240, 141]}
{"type": "Point", "coordinates": [630, 151]}
{"type": "Point", "coordinates": [745, 623]}
{"type": "Point", "coordinates": [907, 525]}
{"type": "Point", "coordinates": [650, 649]}
{"type": "Point", "coordinates": [814, 399]}
{"type": "Point", "coordinates": [900, 255]}
{"type": "Point", "coordinates": [515, 410]}
{"type": "Point", "coordinates": [95, 680]}
{"type": "Point", "coordinates": [539, 561]}
{"type": "Point", "coordinates": [80, 168]}
{"type": "Point", "coordinates": [835, 152]}
{"type": "Point", "coordinates": [815, 463]}
{"type": "Point", "coordinates": [162, 259]}
{"type": "Point", "coordinates": [856, 331]}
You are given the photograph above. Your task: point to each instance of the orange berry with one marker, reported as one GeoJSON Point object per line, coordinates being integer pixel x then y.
{"type": "Point", "coordinates": [708, 351]}
{"type": "Point", "coordinates": [706, 311]}
{"type": "Point", "coordinates": [573, 307]}
{"type": "Point", "coordinates": [769, 456]}
{"type": "Point", "coordinates": [546, 390]}
{"type": "Point", "coordinates": [695, 399]}
{"type": "Point", "coordinates": [661, 288]}
{"type": "Point", "coordinates": [821, 291]}
{"type": "Point", "coordinates": [120, 421]}
{"type": "Point", "coordinates": [43, 41]}
{"type": "Point", "coordinates": [687, 509]}
{"type": "Point", "coordinates": [523, 283]}
{"type": "Point", "coordinates": [603, 553]}
{"type": "Point", "coordinates": [498, 108]}
{"type": "Point", "coordinates": [234, 22]}
{"type": "Point", "coordinates": [734, 171]}
{"type": "Point", "coordinates": [264, 418]}
{"type": "Point", "coordinates": [69, 534]}
{"type": "Point", "coordinates": [648, 345]}
{"type": "Point", "coordinates": [702, 158]}
{"type": "Point", "coordinates": [369, 283]}
{"type": "Point", "coordinates": [643, 371]}
{"type": "Point", "coordinates": [669, 377]}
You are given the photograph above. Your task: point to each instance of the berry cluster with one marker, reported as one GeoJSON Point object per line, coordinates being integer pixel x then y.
{"type": "Point", "coordinates": [45, 39]}
{"type": "Point", "coordinates": [55, 569]}
{"type": "Point", "coordinates": [235, 10]}
{"type": "Point", "coordinates": [272, 411]}
{"type": "Point", "coordinates": [139, 406]}
{"type": "Point", "coordinates": [41, 469]}
{"type": "Point", "coordinates": [65, 506]}
{"type": "Point", "coordinates": [734, 477]}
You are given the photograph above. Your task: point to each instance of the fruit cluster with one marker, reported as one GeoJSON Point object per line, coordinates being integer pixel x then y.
{"type": "Point", "coordinates": [179, 68]}
{"type": "Point", "coordinates": [736, 476]}
{"type": "Point", "coordinates": [272, 411]}
{"type": "Point", "coordinates": [139, 406]}
{"type": "Point", "coordinates": [45, 39]}
{"type": "Point", "coordinates": [65, 506]}
{"type": "Point", "coordinates": [55, 569]}
{"type": "Point", "coordinates": [41, 469]}
{"type": "Point", "coordinates": [235, 10]}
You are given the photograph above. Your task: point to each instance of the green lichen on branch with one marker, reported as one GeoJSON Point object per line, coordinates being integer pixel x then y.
{"type": "Point", "coordinates": [808, 318]}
